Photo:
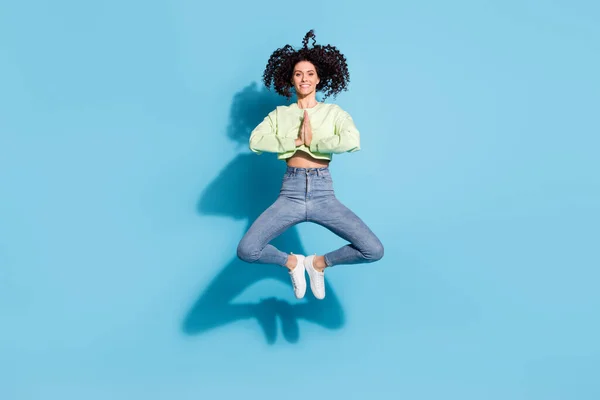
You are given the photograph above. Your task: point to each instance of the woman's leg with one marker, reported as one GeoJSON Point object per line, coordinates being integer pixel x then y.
{"type": "Point", "coordinates": [364, 246]}
{"type": "Point", "coordinates": [281, 215]}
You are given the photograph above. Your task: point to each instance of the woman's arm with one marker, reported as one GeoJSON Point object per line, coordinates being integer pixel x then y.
{"type": "Point", "coordinates": [346, 137]}
{"type": "Point", "coordinates": [264, 137]}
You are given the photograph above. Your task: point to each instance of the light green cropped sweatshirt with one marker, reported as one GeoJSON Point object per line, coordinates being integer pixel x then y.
{"type": "Point", "coordinates": [333, 132]}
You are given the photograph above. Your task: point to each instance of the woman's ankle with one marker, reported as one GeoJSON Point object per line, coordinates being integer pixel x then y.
{"type": "Point", "coordinates": [291, 262]}
{"type": "Point", "coordinates": [319, 263]}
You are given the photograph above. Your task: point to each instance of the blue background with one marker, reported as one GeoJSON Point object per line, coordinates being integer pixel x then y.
{"type": "Point", "coordinates": [126, 184]}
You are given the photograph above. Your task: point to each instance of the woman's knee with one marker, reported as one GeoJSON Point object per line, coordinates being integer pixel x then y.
{"type": "Point", "coordinates": [247, 252]}
{"type": "Point", "coordinates": [375, 251]}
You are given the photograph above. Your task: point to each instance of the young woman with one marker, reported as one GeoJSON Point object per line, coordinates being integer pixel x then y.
{"type": "Point", "coordinates": [306, 134]}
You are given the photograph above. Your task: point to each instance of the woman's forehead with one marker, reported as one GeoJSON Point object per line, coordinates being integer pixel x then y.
{"type": "Point", "coordinates": [304, 66]}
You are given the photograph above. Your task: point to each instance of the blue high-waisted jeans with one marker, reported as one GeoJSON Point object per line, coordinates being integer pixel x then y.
{"type": "Point", "coordinates": [307, 195]}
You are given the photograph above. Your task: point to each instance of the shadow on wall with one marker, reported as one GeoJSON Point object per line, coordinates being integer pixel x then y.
{"type": "Point", "coordinates": [247, 186]}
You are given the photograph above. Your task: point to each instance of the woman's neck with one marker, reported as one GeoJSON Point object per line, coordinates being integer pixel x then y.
{"type": "Point", "coordinates": [307, 102]}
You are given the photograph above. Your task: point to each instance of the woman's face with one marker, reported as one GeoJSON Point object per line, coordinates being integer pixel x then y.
{"type": "Point", "coordinates": [305, 78]}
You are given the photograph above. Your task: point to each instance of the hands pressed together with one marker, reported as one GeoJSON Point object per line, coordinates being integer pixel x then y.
{"type": "Point", "coordinates": [305, 135]}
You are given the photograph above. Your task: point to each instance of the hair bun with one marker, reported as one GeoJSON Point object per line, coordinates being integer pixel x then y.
{"type": "Point", "coordinates": [309, 35]}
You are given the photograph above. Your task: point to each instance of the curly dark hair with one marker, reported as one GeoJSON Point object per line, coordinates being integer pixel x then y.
{"type": "Point", "coordinates": [330, 64]}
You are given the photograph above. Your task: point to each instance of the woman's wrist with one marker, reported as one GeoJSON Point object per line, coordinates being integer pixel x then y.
{"type": "Point", "coordinates": [299, 142]}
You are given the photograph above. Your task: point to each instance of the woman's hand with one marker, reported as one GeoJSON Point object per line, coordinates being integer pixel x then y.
{"type": "Point", "coordinates": [306, 130]}
{"type": "Point", "coordinates": [300, 139]}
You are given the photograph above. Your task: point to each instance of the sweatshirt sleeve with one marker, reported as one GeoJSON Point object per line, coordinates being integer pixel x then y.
{"type": "Point", "coordinates": [346, 137]}
{"type": "Point", "coordinates": [265, 138]}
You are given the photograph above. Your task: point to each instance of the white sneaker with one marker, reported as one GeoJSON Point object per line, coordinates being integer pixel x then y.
{"type": "Point", "coordinates": [298, 278]}
{"type": "Point", "coordinates": [317, 279]}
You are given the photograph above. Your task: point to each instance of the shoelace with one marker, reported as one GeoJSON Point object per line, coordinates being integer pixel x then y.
{"type": "Point", "coordinates": [294, 283]}
{"type": "Point", "coordinates": [320, 282]}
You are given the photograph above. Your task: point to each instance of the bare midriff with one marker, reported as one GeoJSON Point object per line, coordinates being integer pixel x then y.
{"type": "Point", "coordinates": [303, 160]}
